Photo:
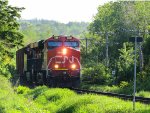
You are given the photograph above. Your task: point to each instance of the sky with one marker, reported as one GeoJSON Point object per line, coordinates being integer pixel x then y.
{"type": "Point", "coordinates": [59, 10]}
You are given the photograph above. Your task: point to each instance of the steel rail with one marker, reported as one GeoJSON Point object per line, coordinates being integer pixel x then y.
{"type": "Point", "coordinates": [122, 96]}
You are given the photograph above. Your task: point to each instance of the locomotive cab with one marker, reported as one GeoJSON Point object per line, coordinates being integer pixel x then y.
{"type": "Point", "coordinates": [63, 64]}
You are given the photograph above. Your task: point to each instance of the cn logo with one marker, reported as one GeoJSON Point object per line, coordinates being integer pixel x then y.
{"type": "Point", "coordinates": [64, 59]}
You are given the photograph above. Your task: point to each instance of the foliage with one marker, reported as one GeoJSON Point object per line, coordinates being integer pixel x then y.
{"type": "Point", "coordinates": [104, 88]}
{"type": "Point", "coordinates": [120, 20]}
{"type": "Point", "coordinates": [56, 100]}
{"type": "Point", "coordinates": [143, 94]}
{"type": "Point", "coordinates": [35, 30]}
{"type": "Point", "coordinates": [22, 90]}
{"type": "Point", "coordinates": [96, 74]}
{"type": "Point", "coordinates": [13, 103]}
{"type": "Point", "coordinates": [123, 84]}
{"type": "Point", "coordinates": [123, 88]}
{"type": "Point", "coordinates": [125, 63]}
{"type": "Point", "coordinates": [10, 38]}
{"type": "Point", "coordinates": [65, 101]}
{"type": "Point", "coordinates": [143, 83]}
{"type": "Point", "coordinates": [37, 91]}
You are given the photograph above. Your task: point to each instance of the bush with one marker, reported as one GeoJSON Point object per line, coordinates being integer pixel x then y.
{"type": "Point", "coordinates": [123, 84]}
{"type": "Point", "coordinates": [143, 94]}
{"type": "Point", "coordinates": [98, 74]}
{"type": "Point", "coordinates": [143, 81]}
{"type": "Point", "coordinates": [36, 92]}
{"type": "Point", "coordinates": [22, 90]}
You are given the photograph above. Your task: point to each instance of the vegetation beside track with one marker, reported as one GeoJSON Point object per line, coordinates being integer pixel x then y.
{"type": "Point", "coordinates": [10, 102]}
{"type": "Point", "coordinates": [56, 100]}
{"type": "Point", "coordinates": [123, 88]}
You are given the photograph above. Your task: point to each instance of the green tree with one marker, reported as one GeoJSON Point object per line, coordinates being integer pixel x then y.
{"type": "Point", "coordinates": [125, 63]}
{"type": "Point", "coordinates": [35, 30]}
{"type": "Point", "coordinates": [10, 38]}
{"type": "Point", "coordinates": [98, 74]}
{"type": "Point", "coordinates": [121, 19]}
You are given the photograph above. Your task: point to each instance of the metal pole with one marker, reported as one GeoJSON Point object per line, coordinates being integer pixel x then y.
{"type": "Point", "coordinates": [140, 53]}
{"type": "Point", "coordinates": [107, 49]}
{"type": "Point", "coordinates": [141, 58]}
{"type": "Point", "coordinates": [97, 55]}
{"type": "Point", "coordinates": [134, 75]}
{"type": "Point", "coordinates": [86, 45]}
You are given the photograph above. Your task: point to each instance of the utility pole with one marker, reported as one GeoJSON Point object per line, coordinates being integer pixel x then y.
{"type": "Point", "coordinates": [86, 44]}
{"type": "Point", "coordinates": [107, 59]}
{"type": "Point", "coordinates": [141, 57]}
{"type": "Point", "coordinates": [134, 91]}
{"type": "Point", "coordinates": [106, 34]}
{"type": "Point", "coordinates": [135, 40]}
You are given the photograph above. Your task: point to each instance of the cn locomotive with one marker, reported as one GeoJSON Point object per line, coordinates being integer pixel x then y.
{"type": "Point", "coordinates": [53, 62]}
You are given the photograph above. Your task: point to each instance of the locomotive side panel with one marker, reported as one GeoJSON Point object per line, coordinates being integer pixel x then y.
{"type": "Point", "coordinates": [35, 59]}
{"type": "Point", "coordinates": [20, 62]}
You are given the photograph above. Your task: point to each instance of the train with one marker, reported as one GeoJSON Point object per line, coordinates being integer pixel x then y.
{"type": "Point", "coordinates": [53, 62]}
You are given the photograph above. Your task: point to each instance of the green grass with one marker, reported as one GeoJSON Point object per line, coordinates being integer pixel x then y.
{"type": "Point", "coordinates": [115, 89]}
{"type": "Point", "coordinates": [10, 102]}
{"type": "Point", "coordinates": [144, 94]}
{"type": "Point", "coordinates": [57, 100]}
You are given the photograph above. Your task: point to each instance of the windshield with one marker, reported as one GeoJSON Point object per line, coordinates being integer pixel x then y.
{"type": "Point", "coordinates": [71, 44]}
{"type": "Point", "coordinates": [52, 45]}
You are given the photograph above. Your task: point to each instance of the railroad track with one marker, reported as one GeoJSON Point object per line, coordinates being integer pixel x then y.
{"type": "Point", "coordinates": [122, 96]}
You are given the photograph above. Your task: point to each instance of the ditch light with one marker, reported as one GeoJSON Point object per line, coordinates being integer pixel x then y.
{"type": "Point", "coordinates": [56, 66]}
{"type": "Point", "coordinates": [73, 66]}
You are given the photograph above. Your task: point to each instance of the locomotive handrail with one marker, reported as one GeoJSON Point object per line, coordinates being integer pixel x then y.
{"type": "Point", "coordinates": [48, 65]}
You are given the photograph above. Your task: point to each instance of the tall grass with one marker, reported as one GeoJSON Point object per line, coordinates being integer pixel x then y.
{"type": "Point", "coordinates": [56, 100]}
{"type": "Point", "coordinates": [10, 102]}
{"type": "Point", "coordinates": [123, 89]}
{"type": "Point", "coordinates": [143, 94]}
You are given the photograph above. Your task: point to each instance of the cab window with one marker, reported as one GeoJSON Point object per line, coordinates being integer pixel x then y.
{"type": "Point", "coordinates": [52, 45]}
{"type": "Point", "coordinates": [71, 44]}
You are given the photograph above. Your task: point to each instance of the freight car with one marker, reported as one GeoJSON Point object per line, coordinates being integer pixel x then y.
{"type": "Point", "coordinates": [54, 62]}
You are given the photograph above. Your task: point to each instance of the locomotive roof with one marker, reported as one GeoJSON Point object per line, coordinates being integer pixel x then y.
{"type": "Point", "coordinates": [53, 38]}
{"type": "Point", "coordinates": [62, 38]}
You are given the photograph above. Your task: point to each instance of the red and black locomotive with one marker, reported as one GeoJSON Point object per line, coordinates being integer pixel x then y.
{"type": "Point", "coordinates": [53, 62]}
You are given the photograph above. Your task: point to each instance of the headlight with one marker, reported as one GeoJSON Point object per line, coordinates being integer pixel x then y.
{"type": "Point", "coordinates": [56, 66]}
{"type": "Point", "coordinates": [64, 51]}
{"type": "Point", "coordinates": [73, 66]}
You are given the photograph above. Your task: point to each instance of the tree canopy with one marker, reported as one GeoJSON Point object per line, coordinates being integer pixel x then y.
{"type": "Point", "coordinates": [111, 28]}
{"type": "Point", "coordinates": [35, 29]}
{"type": "Point", "coordinates": [9, 36]}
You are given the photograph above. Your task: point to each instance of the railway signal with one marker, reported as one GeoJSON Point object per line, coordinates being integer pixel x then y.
{"type": "Point", "coordinates": [135, 40]}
